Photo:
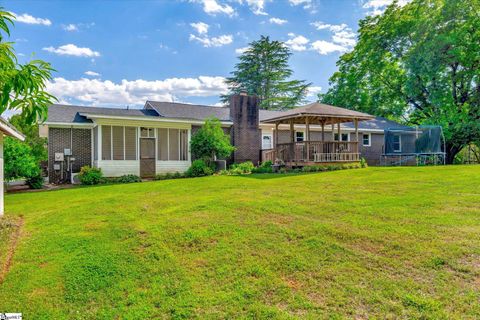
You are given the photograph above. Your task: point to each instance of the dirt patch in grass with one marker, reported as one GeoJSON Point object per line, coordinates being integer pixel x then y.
{"type": "Point", "coordinates": [10, 232]}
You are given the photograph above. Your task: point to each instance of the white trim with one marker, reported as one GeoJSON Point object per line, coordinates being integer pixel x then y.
{"type": "Point", "coordinates": [369, 139]}
{"type": "Point", "coordinates": [399, 143]}
{"type": "Point", "coordinates": [93, 147]}
{"type": "Point", "coordinates": [283, 127]}
{"type": "Point", "coordinates": [271, 140]}
{"type": "Point", "coordinates": [100, 143]}
{"type": "Point", "coordinates": [141, 118]}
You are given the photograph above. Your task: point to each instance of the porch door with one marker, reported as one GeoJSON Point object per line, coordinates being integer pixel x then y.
{"type": "Point", "coordinates": [147, 157]}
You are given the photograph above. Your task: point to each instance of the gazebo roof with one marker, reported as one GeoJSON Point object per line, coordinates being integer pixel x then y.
{"type": "Point", "coordinates": [318, 113]}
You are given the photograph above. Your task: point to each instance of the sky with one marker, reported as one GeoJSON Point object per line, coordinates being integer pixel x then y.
{"type": "Point", "coordinates": [121, 53]}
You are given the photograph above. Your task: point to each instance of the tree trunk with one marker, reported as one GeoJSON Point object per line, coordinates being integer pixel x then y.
{"type": "Point", "coordinates": [451, 151]}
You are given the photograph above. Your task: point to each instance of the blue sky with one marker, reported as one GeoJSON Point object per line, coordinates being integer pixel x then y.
{"type": "Point", "coordinates": [117, 53]}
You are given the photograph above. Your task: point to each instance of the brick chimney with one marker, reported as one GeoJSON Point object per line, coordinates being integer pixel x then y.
{"type": "Point", "coordinates": [246, 133]}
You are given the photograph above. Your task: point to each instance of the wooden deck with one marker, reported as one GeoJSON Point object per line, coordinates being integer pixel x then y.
{"type": "Point", "coordinates": [313, 152]}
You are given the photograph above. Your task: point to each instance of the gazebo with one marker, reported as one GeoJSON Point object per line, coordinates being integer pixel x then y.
{"type": "Point", "coordinates": [309, 152]}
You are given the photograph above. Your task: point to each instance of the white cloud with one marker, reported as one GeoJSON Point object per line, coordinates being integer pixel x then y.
{"type": "Point", "coordinates": [26, 18]}
{"type": "Point", "coordinates": [342, 36]}
{"type": "Point", "coordinates": [257, 6]}
{"type": "Point", "coordinates": [313, 91]}
{"type": "Point", "coordinates": [200, 27]}
{"type": "Point", "coordinates": [70, 27]}
{"type": "Point", "coordinates": [213, 41]}
{"type": "Point", "coordinates": [299, 2]}
{"type": "Point", "coordinates": [212, 7]}
{"type": "Point", "coordinates": [376, 7]}
{"type": "Point", "coordinates": [241, 50]}
{"type": "Point", "coordinates": [277, 21]}
{"type": "Point", "coordinates": [325, 47]}
{"type": "Point", "coordinates": [92, 73]}
{"type": "Point", "coordinates": [297, 42]}
{"type": "Point", "coordinates": [136, 92]}
{"type": "Point", "coordinates": [73, 50]}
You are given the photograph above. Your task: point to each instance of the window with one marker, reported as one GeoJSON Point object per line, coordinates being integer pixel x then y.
{"type": "Point", "coordinates": [299, 136]}
{"type": "Point", "coordinates": [172, 144]}
{"type": "Point", "coordinates": [345, 137]}
{"type": "Point", "coordinates": [147, 132]}
{"type": "Point", "coordinates": [366, 140]}
{"type": "Point", "coordinates": [397, 143]}
{"type": "Point", "coordinates": [267, 141]}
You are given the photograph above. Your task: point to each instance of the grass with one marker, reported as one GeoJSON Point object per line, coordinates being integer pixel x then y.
{"type": "Point", "coordinates": [370, 243]}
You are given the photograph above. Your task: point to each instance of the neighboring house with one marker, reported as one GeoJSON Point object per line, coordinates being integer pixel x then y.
{"type": "Point", "coordinates": [155, 139]}
{"type": "Point", "coordinates": [6, 130]}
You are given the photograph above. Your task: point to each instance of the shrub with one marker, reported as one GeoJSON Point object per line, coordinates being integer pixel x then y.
{"type": "Point", "coordinates": [128, 178]}
{"type": "Point", "coordinates": [242, 168]}
{"type": "Point", "coordinates": [90, 176]}
{"type": "Point", "coordinates": [198, 168]}
{"type": "Point", "coordinates": [363, 162]}
{"type": "Point", "coordinates": [35, 182]}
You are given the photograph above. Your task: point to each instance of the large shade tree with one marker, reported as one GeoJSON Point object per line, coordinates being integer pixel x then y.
{"type": "Point", "coordinates": [263, 70]}
{"type": "Point", "coordinates": [419, 63]}
{"type": "Point", "coordinates": [22, 86]}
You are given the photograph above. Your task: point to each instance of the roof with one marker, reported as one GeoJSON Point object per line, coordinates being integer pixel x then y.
{"type": "Point", "coordinates": [189, 111]}
{"type": "Point", "coordinates": [320, 112]}
{"type": "Point", "coordinates": [72, 114]}
{"type": "Point", "coordinates": [67, 114]}
{"type": "Point", "coordinates": [10, 130]}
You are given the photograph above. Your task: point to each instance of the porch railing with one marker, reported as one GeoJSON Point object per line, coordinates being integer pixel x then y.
{"type": "Point", "coordinates": [316, 151]}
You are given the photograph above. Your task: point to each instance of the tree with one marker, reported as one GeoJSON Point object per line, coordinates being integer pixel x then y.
{"type": "Point", "coordinates": [210, 142]}
{"type": "Point", "coordinates": [37, 144]}
{"type": "Point", "coordinates": [22, 86]}
{"type": "Point", "coordinates": [263, 71]}
{"type": "Point", "coordinates": [420, 64]}
{"type": "Point", "coordinates": [19, 160]}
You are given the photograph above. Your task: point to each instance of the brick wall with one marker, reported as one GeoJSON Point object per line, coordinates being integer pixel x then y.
{"type": "Point", "coordinates": [78, 140]}
{"type": "Point", "coordinates": [246, 134]}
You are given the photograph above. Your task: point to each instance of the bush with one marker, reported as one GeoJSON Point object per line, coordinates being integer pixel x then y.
{"type": "Point", "coordinates": [363, 163]}
{"type": "Point", "coordinates": [199, 168]}
{"type": "Point", "coordinates": [128, 178]}
{"type": "Point", "coordinates": [242, 168]}
{"type": "Point", "coordinates": [35, 182]}
{"type": "Point", "coordinates": [210, 141]}
{"type": "Point", "coordinates": [90, 176]}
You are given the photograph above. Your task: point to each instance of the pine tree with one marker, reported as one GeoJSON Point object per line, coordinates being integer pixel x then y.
{"type": "Point", "coordinates": [263, 70]}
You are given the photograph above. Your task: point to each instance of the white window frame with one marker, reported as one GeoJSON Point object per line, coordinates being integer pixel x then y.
{"type": "Point", "coordinates": [303, 136]}
{"type": "Point", "coordinates": [271, 140]}
{"type": "Point", "coordinates": [369, 139]}
{"type": "Point", "coordinates": [399, 143]}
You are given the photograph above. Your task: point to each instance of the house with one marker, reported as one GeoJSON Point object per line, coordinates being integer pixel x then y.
{"type": "Point", "coordinates": [6, 130]}
{"type": "Point", "coordinates": [155, 139]}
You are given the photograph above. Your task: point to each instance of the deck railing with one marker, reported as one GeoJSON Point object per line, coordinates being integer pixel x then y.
{"type": "Point", "coordinates": [314, 151]}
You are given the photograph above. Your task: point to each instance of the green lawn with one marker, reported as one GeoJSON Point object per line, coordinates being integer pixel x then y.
{"type": "Point", "coordinates": [365, 243]}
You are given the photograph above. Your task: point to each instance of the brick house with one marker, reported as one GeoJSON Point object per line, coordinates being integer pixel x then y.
{"type": "Point", "coordinates": [155, 139]}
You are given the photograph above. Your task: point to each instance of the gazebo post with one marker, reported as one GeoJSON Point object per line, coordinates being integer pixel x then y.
{"type": "Point", "coordinates": [307, 137]}
{"type": "Point", "coordinates": [338, 132]}
{"type": "Point", "coordinates": [275, 139]}
{"type": "Point", "coordinates": [333, 131]}
{"type": "Point", "coordinates": [356, 131]}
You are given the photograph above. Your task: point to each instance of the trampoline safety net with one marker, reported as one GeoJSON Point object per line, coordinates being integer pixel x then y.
{"type": "Point", "coordinates": [414, 146]}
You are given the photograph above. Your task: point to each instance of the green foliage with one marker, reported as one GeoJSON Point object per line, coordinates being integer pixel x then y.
{"type": "Point", "coordinates": [263, 71]}
{"type": "Point", "coordinates": [210, 141]}
{"type": "Point", "coordinates": [22, 87]}
{"type": "Point", "coordinates": [128, 178]}
{"type": "Point", "coordinates": [90, 175]}
{"type": "Point", "coordinates": [32, 138]}
{"type": "Point", "coordinates": [199, 168]}
{"type": "Point", "coordinates": [264, 167]}
{"type": "Point", "coordinates": [19, 160]}
{"type": "Point", "coordinates": [417, 63]}
{"type": "Point", "coordinates": [242, 168]}
{"type": "Point", "coordinates": [35, 182]}
{"type": "Point", "coordinates": [363, 162]}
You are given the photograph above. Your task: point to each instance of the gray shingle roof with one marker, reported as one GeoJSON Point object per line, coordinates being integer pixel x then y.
{"type": "Point", "coordinates": [72, 114]}
{"type": "Point", "coordinates": [189, 111]}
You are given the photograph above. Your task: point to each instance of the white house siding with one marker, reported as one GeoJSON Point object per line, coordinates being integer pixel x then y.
{"type": "Point", "coordinates": [117, 168]}
{"type": "Point", "coordinates": [172, 166]}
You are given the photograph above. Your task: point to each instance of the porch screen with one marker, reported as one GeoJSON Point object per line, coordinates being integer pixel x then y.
{"type": "Point", "coordinates": [173, 145]}
{"type": "Point", "coordinates": [106, 143]}
{"type": "Point", "coordinates": [184, 145]}
{"type": "Point", "coordinates": [162, 144]}
{"type": "Point", "coordinates": [117, 143]}
{"type": "Point", "coordinates": [130, 143]}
